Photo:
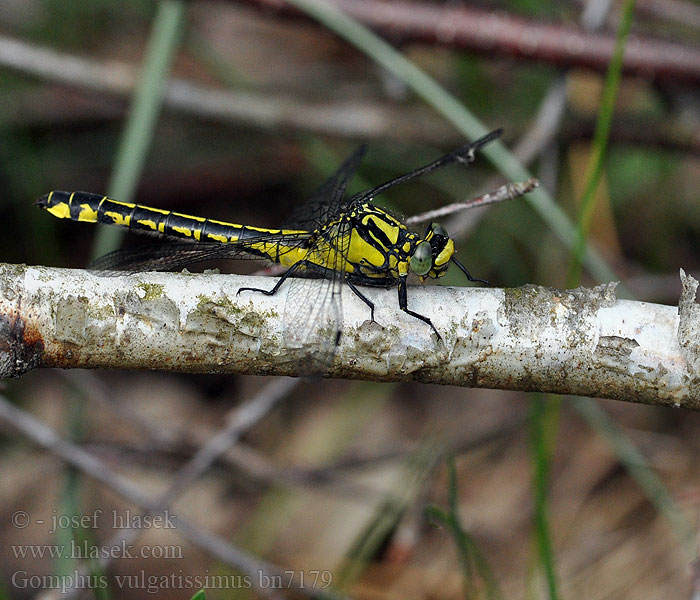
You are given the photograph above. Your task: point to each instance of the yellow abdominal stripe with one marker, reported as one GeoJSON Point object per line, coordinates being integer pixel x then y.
{"type": "Point", "coordinates": [118, 218]}
{"type": "Point", "coordinates": [187, 232]}
{"type": "Point", "coordinates": [148, 223]}
{"type": "Point", "coordinates": [289, 256]}
{"type": "Point", "coordinates": [217, 237]}
{"type": "Point", "coordinates": [177, 214]}
{"type": "Point", "coordinates": [87, 214]}
{"type": "Point", "coordinates": [60, 210]}
{"type": "Point", "coordinates": [122, 214]}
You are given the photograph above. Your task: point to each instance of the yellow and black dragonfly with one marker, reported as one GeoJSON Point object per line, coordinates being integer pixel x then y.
{"type": "Point", "coordinates": [331, 237]}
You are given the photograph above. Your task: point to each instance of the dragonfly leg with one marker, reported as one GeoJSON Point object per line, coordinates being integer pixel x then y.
{"type": "Point", "coordinates": [273, 291]}
{"type": "Point", "coordinates": [464, 270]}
{"type": "Point", "coordinates": [403, 305]}
{"type": "Point", "coordinates": [362, 297]}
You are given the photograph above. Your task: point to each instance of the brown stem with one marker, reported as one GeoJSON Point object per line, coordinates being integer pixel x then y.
{"type": "Point", "coordinates": [501, 34]}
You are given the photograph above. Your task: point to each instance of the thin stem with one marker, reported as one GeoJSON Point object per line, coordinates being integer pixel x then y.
{"type": "Point", "coordinates": [143, 116]}
{"type": "Point", "coordinates": [600, 144]}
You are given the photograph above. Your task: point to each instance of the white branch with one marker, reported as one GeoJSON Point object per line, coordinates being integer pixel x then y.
{"type": "Point", "coordinates": [582, 341]}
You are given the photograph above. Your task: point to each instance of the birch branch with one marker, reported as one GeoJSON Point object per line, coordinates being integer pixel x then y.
{"type": "Point", "coordinates": [582, 341]}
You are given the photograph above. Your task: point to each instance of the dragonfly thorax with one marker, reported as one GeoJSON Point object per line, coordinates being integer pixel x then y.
{"type": "Point", "coordinates": [381, 246]}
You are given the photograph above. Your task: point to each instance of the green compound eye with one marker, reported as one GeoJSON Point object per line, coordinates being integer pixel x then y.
{"type": "Point", "coordinates": [438, 229]}
{"type": "Point", "coordinates": [422, 259]}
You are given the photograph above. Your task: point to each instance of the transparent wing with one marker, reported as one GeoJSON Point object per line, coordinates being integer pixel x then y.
{"type": "Point", "coordinates": [313, 310]}
{"type": "Point", "coordinates": [328, 200]}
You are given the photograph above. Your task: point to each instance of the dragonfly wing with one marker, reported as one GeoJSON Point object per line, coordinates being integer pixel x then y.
{"type": "Point", "coordinates": [313, 309]}
{"type": "Point", "coordinates": [327, 201]}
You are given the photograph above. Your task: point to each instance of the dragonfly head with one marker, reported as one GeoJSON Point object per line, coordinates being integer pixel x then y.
{"type": "Point", "coordinates": [432, 255]}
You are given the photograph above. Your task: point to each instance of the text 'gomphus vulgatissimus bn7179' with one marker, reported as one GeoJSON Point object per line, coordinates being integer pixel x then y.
{"type": "Point", "coordinates": [332, 238]}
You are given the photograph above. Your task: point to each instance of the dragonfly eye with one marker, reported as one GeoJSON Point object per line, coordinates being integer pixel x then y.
{"type": "Point", "coordinates": [422, 259]}
{"type": "Point", "coordinates": [438, 229]}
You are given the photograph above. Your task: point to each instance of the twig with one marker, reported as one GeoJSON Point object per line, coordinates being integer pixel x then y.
{"type": "Point", "coordinates": [582, 341]}
{"type": "Point", "coordinates": [539, 135]}
{"type": "Point", "coordinates": [93, 387]}
{"type": "Point", "coordinates": [509, 191]}
{"type": "Point", "coordinates": [464, 27]}
{"type": "Point", "coordinates": [330, 477]}
{"type": "Point", "coordinates": [239, 420]}
{"type": "Point", "coordinates": [215, 545]}
{"type": "Point", "coordinates": [685, 13]}
{"type": "Point", "coordinates": [96, 469]}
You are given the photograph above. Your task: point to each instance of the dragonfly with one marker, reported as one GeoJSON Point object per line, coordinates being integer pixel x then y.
{"type": "Point", "coordinates": [332, 238]}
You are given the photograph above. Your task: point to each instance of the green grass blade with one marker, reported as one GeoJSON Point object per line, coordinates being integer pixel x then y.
{"type": "Point", "coordinates": [600, 143]}
{"type": "Point", "coordinates": [545, 414]}
{"type": "Point", "coordinates": [544, 420]}
{"type": "Point", "coordinates": [143, 115]}
{"type": "Point", "coordinates": [639, 469]}
{"type": "Point", "coordinates": [70, 493]}
{"type": "Point", "coordinates": [472, 561]}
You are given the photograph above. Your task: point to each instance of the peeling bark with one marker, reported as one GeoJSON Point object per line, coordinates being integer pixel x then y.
{"type": "Point", "coordinates": [582, 341]}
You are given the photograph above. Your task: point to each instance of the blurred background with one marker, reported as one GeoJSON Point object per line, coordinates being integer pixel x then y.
{"type": "Point", "coordinates": [237, 110]}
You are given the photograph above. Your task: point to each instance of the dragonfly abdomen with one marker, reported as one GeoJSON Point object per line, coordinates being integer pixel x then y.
{"type": "Point", "coordinates": [95, 208]}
